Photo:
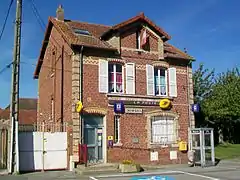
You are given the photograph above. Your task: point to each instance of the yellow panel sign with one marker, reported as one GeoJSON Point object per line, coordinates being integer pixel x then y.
{"type": "Point", "coordinates": [165, 103]}
{"type": "Point", "coordinates": [79, 106]}
{"type": "Point", "coordinates": [110, 137]}
{"type": "Point", "coordinates": [182, 146]}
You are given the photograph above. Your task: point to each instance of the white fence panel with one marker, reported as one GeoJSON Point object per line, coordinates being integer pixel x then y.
{"type": "Point", "coordinates": [56, 150]}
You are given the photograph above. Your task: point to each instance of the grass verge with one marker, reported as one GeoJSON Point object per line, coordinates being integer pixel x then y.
{"type": "Point", "coordinates": [227, 151]}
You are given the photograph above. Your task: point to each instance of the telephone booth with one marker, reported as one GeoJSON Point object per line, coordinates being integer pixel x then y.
{"type": "Point", "coordinates": [202, 146]}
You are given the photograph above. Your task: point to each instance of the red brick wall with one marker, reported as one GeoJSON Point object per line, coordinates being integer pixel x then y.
{"type": "Point", "coordinates": [51, 86]}
{"type": "Point", "coordinates": [135, 125]}
{"type": "Point", "coordinates": [128, 39]}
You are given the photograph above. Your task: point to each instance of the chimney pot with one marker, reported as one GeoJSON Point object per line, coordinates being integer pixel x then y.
{"type": "Point", "coordinates": [60, 13]}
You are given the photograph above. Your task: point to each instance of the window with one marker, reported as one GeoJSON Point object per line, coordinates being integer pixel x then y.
{"type": "Point", "coordinates": [163, 130]}
{"type": "Point", "coordinates": [116, 129]}
{"type": "Point", "coordinates": [160, 81]}
{"type": "Point", "coordinates": [81, 31]}
{"type": "Point", "coordinates": [115, 78]}
{"type": "Point", "coordinates": [138, 39]}
{"type": "Point", "coordinates": [53, 59]}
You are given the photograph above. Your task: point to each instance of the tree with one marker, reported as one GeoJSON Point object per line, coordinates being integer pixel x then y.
{"type": "Point", "coordinates": [222, 106]}
{"type": "Point", "coordinates": [203, 80]}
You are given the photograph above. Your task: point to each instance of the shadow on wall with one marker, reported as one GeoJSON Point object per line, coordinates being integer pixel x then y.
{"type": "Point", "coordinates": [29, 152]}
{"type": "Point", "coordinates": [3, 148]}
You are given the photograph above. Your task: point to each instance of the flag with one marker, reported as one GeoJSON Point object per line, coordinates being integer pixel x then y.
{"type": "Point", "coordinates": [144, 37]}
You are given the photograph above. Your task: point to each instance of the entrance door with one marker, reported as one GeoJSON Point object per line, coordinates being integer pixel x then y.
{"type": "Point", "coordinates": [93, 130]}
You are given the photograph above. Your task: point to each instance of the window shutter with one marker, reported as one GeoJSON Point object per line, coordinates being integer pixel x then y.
{"type": "Point", "coordinates": [172, 82]}
{"type": "Point", "coordinates": [150, 79]}
{"type": "Point", "coordinates": [130, 78]}
{"type": "Point", "coordinates": [103, 76]}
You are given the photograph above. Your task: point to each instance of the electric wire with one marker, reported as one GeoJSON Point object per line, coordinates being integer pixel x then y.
{"type": "Point", "coordinates": [6, 18]}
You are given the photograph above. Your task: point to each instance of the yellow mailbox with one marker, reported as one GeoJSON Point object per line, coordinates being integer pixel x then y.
{"type": "Point", "coordinates": [182, 146]}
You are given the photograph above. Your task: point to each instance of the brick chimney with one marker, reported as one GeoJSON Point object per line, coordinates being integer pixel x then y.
{"type": "Point", "coordinates": [60, 13]}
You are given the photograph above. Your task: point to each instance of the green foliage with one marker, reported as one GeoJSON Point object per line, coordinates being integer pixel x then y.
{"type": "Point", "coordinates": [203, 80]}
{"type": "Point", "coordinates": [224, 101]}
{"type": "Point", "coordinates": [227, 151]}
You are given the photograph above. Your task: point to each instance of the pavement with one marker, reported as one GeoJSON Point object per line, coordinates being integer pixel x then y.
{"type": "Point", "coordinates": [225, 170]}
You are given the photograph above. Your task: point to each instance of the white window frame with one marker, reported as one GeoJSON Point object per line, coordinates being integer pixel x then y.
{"type": "Point", "coordinates": [166, 80]}
{"type": "Point", "coordinates": [162, 124]}
{"type": "Point", "coordinates": [117, 125]}
{"type": "Point", "coordinates": [115, 78]}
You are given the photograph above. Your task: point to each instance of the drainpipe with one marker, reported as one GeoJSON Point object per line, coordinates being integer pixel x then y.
{"type": "Point", "coordinates": [81, 123]}
{"type": "Point", "coordinates": [62, 89]}
{"type": "Point", "coordinates": [81, 92]}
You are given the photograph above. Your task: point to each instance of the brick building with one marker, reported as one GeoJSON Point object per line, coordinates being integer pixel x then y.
{"type": "Point", "coordinates": [130, 65]}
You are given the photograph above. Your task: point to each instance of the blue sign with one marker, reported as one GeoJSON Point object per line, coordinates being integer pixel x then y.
{"type": "Point", "coordinates": [195, 107]}
{"type": "Point", "coordinates": [153, 178]}
{"type": "Point", "coordinates": [119, 107]}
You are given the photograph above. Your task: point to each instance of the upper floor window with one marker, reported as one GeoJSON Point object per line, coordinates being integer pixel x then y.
{"type": "Point", "coordinates": [115, 78]}
{"type": "Point", "coordinates": [160, 81]}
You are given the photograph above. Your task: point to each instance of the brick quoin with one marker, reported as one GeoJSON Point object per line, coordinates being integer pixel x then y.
{"type": "Point", "coordinates": [131, 125]}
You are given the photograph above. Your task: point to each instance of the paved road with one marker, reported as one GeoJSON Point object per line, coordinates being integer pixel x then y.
{"type": "Point", "coordinates": [227, 170]}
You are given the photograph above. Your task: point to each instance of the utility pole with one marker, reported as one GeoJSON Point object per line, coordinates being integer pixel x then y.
{"type": "Point", "coordinates": [14, 106]}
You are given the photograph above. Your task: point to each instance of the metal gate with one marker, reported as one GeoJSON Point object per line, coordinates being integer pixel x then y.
{"type": "Point", "coordinates": [42, 151]}
{"type": "Point", "coordinates": [202, 144]}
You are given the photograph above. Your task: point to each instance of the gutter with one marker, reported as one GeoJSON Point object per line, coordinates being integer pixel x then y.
{"type": "Point", "coordinates": [81, 128]}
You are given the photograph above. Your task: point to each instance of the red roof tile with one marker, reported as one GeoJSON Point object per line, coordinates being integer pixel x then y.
{"type": "Point", "coordinates": [172, 52]}
{"type": "Point", "coordinates": [25, 116]}
{"type": "Point", "coordinates": [75, 39]}
{"type": "Point", "coordinates": [142, 17]}
{"type": "Point", "coordinates": [97, 32]}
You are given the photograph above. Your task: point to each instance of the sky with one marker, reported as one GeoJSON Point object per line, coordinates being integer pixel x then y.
{"type": "Point", "coordinates": [208, 29]}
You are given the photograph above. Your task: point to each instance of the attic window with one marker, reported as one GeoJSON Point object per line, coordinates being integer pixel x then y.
{"type": "Point", "coordinates": [81, 31]}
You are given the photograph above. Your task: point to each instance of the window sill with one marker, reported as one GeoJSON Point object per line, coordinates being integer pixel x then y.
{"type": "Point", "coordinates": [156, 145]}
{"type": "Point", "coordinates": [137, 96]}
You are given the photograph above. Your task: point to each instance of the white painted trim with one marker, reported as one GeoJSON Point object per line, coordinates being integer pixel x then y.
{"type": "Point", "coordinates": [93, 178]}
{"type": "Point", "coordinates": [198, 175]}
{"type": "Point", "coordinates": [104, 139]}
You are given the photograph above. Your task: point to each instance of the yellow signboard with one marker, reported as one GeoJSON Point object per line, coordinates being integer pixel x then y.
{"type": "Point", "coordinates": [79, 106]}
{"type": "Point", "coordinates": [165, 103]}
{"type": "Point", "coordinates": [110, 137]}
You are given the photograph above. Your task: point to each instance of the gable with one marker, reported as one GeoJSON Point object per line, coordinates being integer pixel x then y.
{"type": "Point", "coordinates": [134, 36]}
{"type": "Point", "coordinates": [141, 19]}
